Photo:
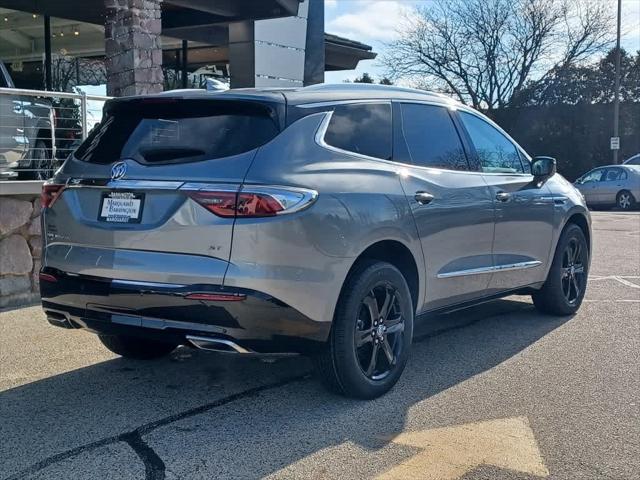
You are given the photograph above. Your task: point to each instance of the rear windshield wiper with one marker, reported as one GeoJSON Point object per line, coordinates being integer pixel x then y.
{"type": "Point", "coordinates": [165, 154]}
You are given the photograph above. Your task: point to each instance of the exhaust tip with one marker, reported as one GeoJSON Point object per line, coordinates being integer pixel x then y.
{"type": "Point", "coordinates": [216, 344]}
{"type": "Point", "coordinates": [59, 320]}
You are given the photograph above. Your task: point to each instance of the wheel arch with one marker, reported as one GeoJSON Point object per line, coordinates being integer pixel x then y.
{"type": "Point", "coordinates": [397, 254]}
{"type": "Point", "coordinates": [580, 219]}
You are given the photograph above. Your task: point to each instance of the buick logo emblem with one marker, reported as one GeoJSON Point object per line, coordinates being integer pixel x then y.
{"type": "Point", "coordinates": [118, 170]}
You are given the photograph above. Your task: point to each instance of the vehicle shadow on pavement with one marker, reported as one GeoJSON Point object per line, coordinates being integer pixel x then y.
{"type": "Point", "coordinates": [202, 415]}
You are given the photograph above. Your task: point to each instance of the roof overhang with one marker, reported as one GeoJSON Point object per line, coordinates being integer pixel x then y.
{"type": "Point", "coordinates": [173, 11]}
{"type": "Point", "coordinates": [205, 22]}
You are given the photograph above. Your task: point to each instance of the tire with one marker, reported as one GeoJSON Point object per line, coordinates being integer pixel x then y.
{"type": "Point", "coordinates": [564, 289]}
{"type": "Point", "coordinates": [625, 200]}
{"type": "Point", "coordinates": [346, 368]}
{"type": "Point", "coordinates": [42, 165]}
{"type": "Point", "coordinates": [136, 347]}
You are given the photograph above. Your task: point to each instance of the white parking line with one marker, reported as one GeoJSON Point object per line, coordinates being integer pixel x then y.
{"type": "Point", "coordinates": [623, 279]}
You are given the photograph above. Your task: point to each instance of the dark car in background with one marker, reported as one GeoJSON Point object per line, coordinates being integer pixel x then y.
{"type": "Point", "coordinates": [27, 138]}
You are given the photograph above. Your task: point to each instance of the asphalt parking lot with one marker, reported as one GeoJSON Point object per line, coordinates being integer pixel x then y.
{"type": "Point", "coordinates": [494, 392]}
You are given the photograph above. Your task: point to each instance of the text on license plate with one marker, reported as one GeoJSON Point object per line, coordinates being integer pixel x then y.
{"type": "Point", "coordinates": [121, 207]}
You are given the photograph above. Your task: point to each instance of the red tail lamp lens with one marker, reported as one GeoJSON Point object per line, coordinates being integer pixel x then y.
{"type": "Point", "coordinates": [50, 193]}
{"type": "Point", "coordinates": [257, 205]}
{"type": "Point", "coordinates": [47, 277]}
{"type": "Point", "coordinates": [244, 204]}
{"type": "Point", "coordinates": [222, 204]}
{"type": "Point", "coordinates": [216, 297]}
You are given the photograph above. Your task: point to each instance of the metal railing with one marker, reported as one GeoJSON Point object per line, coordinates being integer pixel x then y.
{"type": "Point", "coordinates": [39, 129]}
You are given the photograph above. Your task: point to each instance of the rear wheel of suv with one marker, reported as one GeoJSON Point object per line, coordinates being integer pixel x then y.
{"type": "Point", "coordinates": [371, 333]}
{"type": "Point", "coordinates": [135, 347]}
{"type": "Point", "coordinates": [566, 282]}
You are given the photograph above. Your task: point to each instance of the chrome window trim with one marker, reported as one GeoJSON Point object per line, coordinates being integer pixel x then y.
{"type": "Point", "coordinates": [322, 130]}
{"type": "Point", "coordinates": [495, 268]}
{"type": "Point", "coordinates": [319, 138]}
{"type": "Point", "coordinates": [331, 103]}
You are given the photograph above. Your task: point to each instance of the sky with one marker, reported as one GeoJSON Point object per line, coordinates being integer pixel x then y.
{"type": "Point", "coordinates": [374, 22]}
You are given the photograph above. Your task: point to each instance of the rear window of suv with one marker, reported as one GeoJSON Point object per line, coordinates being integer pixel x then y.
{"type": "Point", "coordinates": [363, 128]}
{"type": "Point", "coordinates": [159, 131]}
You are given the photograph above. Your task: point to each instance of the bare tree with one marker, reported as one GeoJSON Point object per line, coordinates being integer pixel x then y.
{"type": "Point", "coordinates": [68, 72]}
{"type": "Point", "coordinates": [484, 51]}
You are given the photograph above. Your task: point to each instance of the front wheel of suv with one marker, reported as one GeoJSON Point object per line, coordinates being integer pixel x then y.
{"type": "Point", "coordinates": [371, 334]}
{"type": "Point", "coordinates": [135, 347]}
{"type": "Point", "coordinates": [566, 283]}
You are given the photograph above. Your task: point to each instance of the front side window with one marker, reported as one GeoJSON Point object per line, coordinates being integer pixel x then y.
{"type": "Point", "coordinates": [593, 176]}
{"type": "Point", "coordinates": [496, 153]}
{"type": "Point", "coordinates": [363, 128]}
{"type": "Point", "coordinates": [432, 138]}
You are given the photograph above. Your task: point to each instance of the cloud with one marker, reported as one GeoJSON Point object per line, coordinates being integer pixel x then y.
{"type": "Point", "coordinates": [330, 3]}
{"type": "Point", "coordinates": [368, 21]}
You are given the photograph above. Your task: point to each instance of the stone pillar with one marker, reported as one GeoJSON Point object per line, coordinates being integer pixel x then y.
{"type": "Point", "coordinates": [132, 47]}
{"type": "Point", "coordinates": [269, 53]}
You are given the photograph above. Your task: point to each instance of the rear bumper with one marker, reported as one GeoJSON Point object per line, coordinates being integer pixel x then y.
{"type": "Point", "coordinates": [252, 320]}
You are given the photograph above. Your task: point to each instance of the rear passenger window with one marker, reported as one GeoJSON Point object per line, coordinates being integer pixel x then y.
{"type": "Point", "coordinates": [615, 174]}
{"type": "Point", "coordinates": [497, 154]}
{"type": "Point", "coordinates": [432, 138]}
{"type": "Point", "coordinates": [361, 128]}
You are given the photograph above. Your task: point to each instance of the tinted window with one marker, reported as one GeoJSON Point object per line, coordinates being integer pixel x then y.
{"type": "Point", "coordinates": [361, 128]}
{"type": "Point", "coordinates": [432, 138]}
{"type": "Point", "coordinates": [175, 132]}
{"type": "Point", "coordinates": [495, 151]}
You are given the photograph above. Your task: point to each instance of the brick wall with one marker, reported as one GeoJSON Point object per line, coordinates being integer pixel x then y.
{"type": "Point", "coordinates": [20, 249]}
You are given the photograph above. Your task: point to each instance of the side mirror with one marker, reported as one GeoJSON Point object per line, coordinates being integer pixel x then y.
{"type": "Point", "coordinates": [543, 168]}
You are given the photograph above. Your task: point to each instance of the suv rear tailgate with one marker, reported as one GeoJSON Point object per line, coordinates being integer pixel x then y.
{"type": "Point", "coordinates": [125, 212]}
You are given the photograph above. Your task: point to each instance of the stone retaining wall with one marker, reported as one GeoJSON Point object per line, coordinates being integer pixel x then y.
{"type": "Point", "coordinates": [20, 249]}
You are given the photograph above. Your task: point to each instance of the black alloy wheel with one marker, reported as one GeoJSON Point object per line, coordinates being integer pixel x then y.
{"type": "Point", "coordinates": [379, 328]}
{"type": "Point", "coordinates": [371, 334]}
{"type": "Point", "coordinates": [566, 283]}
{"type": "Point", "coordinates": [574, 276]}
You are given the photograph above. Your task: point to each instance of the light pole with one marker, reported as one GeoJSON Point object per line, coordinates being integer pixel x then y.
{"type": "Point", "coordinates": [616, 99]}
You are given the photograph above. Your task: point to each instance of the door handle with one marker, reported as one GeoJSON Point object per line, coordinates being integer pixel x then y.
{"type": "Point", "coordinates": [423, 198]}
{"type": "Point", "coordinates": [503, 196]}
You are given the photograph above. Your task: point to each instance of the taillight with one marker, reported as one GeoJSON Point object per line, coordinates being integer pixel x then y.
{"type": "Point", "coordinates": [47, 277]}
{"type": "Point", "coordinates": [254, 201]}
{"type": "Point", "coordinates": [50, 193]}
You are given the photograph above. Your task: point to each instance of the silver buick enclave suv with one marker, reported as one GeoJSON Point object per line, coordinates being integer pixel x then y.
{"type": "Point", "coordinates": [320, 220]}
